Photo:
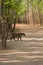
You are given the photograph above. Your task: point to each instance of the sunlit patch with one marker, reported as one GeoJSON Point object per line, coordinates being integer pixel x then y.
{"type": "Point", "coordinates": [33, 57]}
{"type": "Point", "coordinates": [32, 39]}
{"type": "Point", "coordinates": [40, 39]}
{"type": "Point", "coordinates": [19, 52]}
{"type": "Point", "coordinates": [12, 61]}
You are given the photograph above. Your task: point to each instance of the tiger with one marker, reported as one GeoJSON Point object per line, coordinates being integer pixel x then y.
{"type": "Point", "coordinates": [17, 35]}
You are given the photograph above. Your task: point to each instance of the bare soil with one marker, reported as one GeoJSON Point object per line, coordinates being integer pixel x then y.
{"type": "Point", "coordinates": [27, 28]}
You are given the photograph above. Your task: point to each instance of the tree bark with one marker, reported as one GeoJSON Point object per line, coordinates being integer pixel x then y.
{"type": "Point", "coordinates": [30, 15]}
{"type": "Point", "coordinates": [2, 8]}
{"type": "Point", "coordinates": [3, 26]}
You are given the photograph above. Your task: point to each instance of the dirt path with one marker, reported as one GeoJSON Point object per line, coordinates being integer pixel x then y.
{"type": "Point", "coordinates": [27, 28]}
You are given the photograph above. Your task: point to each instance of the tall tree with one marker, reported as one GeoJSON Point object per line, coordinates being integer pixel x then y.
{"type": "Point", "coordinates": [2, 8]}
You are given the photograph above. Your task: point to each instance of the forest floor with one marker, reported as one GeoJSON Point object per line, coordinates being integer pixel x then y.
{"type": "Point", "coordinates": [27, 28]}
{"type": "Point", "coordinates": [29, 51]}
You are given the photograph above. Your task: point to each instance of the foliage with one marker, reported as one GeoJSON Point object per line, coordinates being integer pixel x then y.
{"type": "Point", "coordinates": [20, 6]}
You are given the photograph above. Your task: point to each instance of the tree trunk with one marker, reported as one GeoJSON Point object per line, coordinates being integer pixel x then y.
{"type": "Point", "coordinates": [30, 15]}
{"type": "Point", "coordinates": [27, 17]}
{"type": "Point", "coordinates": [3, 28]}
{"type": "Point", "coordinates": [2, 8]}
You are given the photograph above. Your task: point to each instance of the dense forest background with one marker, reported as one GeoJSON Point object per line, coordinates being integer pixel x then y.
{"type": "Point", "coordinates": [29, 12]}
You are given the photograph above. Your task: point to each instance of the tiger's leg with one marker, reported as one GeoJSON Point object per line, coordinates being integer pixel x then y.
{"type": "Point", "coordinates": [20, 39]}
{"type": "Point", "coordinates": [14, 38]}
{"type": "Point", "coordinates": [11, 38]}
{"type": "Point", "coordinates": [17, 38]}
